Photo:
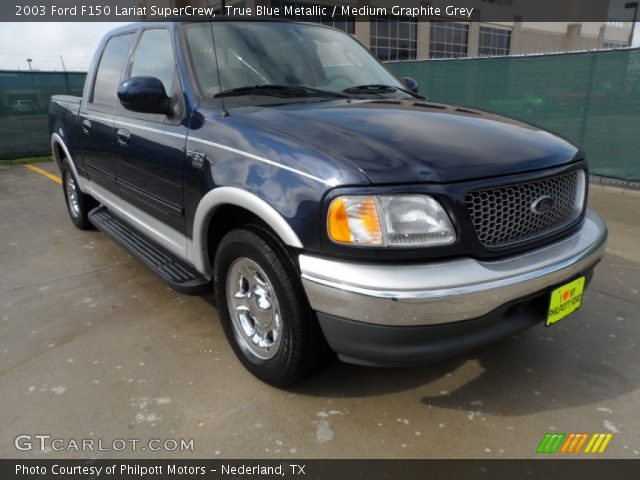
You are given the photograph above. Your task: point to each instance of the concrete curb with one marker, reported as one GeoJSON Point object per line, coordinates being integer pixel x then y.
{"type": "Point", "coordinates": [627, 187]}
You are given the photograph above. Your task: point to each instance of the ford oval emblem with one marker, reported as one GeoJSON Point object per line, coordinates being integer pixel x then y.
{"type": "Point", "coordinates": [543, 204]}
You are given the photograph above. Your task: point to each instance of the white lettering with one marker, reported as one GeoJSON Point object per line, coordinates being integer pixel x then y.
{"type": "Point", "coordinates": [35, 470]}
{"type": "Point", "coordinates": [452, 11]}
{"type": "Point", "coordinates": [23, 446]}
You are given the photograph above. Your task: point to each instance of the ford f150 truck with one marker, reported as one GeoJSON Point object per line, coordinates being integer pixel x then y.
{"type": "Point", "coordinates": [326, 204]}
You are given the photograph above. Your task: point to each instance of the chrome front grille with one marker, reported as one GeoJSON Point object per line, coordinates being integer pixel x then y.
{"type": "Point", "coordinates": [515, 213]}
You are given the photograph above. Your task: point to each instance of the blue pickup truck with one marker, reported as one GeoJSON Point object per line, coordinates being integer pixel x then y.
{"type": "Point", "coordinates": [326, 204]}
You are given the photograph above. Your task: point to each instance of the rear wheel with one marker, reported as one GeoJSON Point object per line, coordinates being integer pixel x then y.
{"type": "Point", "coordinates": [78, 204]}
{"type": "Point", "coordinates": [263, 309]}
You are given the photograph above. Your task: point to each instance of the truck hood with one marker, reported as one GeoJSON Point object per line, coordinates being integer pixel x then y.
{"type": "Point", "coordinates": [416, 141]}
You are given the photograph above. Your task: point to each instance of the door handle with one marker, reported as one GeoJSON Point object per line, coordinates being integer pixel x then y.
{"type": "Point", "coordinates": [123, 136]}
{"type": "Point", "coordinates": [86, 126]}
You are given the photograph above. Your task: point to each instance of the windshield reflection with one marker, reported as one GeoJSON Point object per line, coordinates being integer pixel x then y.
{"type": "Point", "coordinates": [253, 54]}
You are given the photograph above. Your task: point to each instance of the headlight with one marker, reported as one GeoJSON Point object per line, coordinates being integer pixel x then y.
{"type": "Point", "coordinates": [396, 221]}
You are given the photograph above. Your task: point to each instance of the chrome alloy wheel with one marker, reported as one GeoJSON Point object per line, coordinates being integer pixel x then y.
{"type": "Point", "coordinates": [71, 191]}
{"type": "Point", "coordinates": [254, 309]}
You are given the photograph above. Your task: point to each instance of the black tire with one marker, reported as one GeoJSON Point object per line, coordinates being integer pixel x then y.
{"type": "Point", "coordinates": [84, 203]}
{"type": "Point", "coordinates": [303, 347]}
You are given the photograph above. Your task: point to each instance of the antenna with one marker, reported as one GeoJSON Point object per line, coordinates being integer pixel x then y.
{"type": "Point", "coordinates": [225, 112]}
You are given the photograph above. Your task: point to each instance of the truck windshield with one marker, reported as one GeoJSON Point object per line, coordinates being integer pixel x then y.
{"type": "Point", "coordinates": [262, 59]}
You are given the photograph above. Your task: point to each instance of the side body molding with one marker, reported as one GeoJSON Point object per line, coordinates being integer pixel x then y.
{"type": "Point", "coordinates": [164, 235]}
{"type": "Point", "coordinates": [234, 196]}
{"type": "Point", "coordinates": [196, 251]}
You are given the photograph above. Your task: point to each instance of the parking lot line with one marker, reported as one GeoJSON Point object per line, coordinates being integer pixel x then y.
{"type": "Point", "coordinates": [50, 176]}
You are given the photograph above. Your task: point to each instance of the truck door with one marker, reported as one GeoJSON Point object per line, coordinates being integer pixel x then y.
{"type": "Point", "coordinates": [97, 113]}
{"type": "Point", "coordinates": [151, 147]}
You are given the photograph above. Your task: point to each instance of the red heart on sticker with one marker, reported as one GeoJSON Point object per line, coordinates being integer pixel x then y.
{"type": "Point", "coordinates": [565, 295]}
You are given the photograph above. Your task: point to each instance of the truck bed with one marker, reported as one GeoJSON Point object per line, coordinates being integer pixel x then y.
{"type": "Point", "coordinates": [63, 111]}
{"type": "Point", "coordinates": [63, 118]}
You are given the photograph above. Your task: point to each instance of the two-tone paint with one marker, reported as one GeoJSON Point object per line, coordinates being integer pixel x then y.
{"type": "Point", "coordinates": [183, 180]}
{"type": "Point", "coordinates": [290, 160]}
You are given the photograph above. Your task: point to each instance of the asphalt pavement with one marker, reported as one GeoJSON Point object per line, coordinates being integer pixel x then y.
{"type": "Point", "coordinates": [93, 346]}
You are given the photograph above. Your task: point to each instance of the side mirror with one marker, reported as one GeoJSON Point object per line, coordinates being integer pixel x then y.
{"type": "Point", "coordinates": [144, 95]}
{"type": "Point", "coordinates": [410, 83]}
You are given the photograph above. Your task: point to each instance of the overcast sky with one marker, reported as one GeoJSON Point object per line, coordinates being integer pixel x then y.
{"type": "Point", "coordinates": [76, 42]}
{"type": "Point", "coordinates": [45, 42]}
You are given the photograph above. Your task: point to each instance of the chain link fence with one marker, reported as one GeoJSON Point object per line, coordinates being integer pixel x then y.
{"type": "Point", "coordinates": [24, 104]}
{"type": "Point", "coordinates": [590, 98]}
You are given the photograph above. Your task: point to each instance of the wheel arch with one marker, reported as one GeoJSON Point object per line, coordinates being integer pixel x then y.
{"type": "Point", "coordinates": [232, 207]}
{"type": "Point", "coordinates": [60, 151]}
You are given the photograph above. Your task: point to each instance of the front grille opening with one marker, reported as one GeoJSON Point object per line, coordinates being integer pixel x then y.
{"type": "Point", "coordinates": [511, 214]}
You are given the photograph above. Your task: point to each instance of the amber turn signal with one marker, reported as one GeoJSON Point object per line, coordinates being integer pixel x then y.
{"type": "Point", "coordinates": [355, 220]}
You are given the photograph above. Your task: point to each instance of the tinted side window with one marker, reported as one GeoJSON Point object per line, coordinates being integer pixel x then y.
{"type": "Point", "coordinates": [108, 76]}
{"type": "Point", "coordinates": [154, 58]}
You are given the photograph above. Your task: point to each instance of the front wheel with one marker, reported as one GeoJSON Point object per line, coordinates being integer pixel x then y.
{"type": "Point", "coordinates": [264, 312]}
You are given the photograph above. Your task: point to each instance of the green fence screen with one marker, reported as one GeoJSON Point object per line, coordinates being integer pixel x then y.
{"type": "Point", "coordinates": [589, 98]}
{"type": "Point", "coordinates": [24, 103]}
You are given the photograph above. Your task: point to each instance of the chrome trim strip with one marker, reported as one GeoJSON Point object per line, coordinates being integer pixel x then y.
{"type": "Point", "coordinates": [233, 196]}
{"type": "Point", "coordinates": [446, 291]}
{"type": "Point", "coordinates": [260, 159]}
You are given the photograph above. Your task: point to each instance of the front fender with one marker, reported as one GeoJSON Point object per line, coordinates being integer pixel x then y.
{"type": "Point", "coordinates": [220, 196]}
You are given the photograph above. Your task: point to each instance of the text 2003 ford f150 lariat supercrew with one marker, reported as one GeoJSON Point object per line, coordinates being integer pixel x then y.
{"type": "Point", "coordinates": [328, 205]}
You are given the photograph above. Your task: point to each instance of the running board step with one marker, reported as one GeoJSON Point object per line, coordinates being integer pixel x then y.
{"type": "Point", "coordinates": [175, 272]}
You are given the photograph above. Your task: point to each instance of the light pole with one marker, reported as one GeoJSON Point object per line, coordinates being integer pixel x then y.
{"type": "Point", "coordinates": [29, 60]}
{"type": "Point", "coordinates": [633, 5]}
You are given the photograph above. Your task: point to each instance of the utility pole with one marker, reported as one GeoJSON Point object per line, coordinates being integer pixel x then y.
{"type": "Point", "coordinates": [64, 72]}
{"type": "Point", "coordinates": [633, 5]}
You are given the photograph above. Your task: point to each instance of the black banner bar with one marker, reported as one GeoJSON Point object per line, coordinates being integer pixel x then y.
{"type": "Point", "coordinates": [460, 10]}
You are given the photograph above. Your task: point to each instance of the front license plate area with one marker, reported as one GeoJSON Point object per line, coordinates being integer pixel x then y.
{"type": "Point", "coordinates": [564, 300]}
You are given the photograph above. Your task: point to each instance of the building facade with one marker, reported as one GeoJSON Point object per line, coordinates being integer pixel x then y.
{"type": "Point", "coordinates": [407, 38]}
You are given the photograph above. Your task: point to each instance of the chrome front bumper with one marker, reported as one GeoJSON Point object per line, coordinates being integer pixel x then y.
{"type": "Point", "coordinates": [447, 291]}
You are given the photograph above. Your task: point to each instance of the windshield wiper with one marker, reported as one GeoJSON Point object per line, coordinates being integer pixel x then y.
{"type": "Point", "coordinates": [275, 90]}
{"type": "Point", "coordinates": [377, 89]}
